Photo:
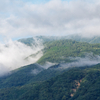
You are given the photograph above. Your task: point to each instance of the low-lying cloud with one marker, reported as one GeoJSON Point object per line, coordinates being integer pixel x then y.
{"type": "Point", "coordinates": [13, 55]}
{"type": "Point", "coordinates": [88, 60]}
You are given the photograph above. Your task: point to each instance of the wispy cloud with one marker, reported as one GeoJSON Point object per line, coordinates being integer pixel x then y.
{"type": "Point", "coordinates": [88, 60]}
{"type": "Point", "coordinates": [55, 17]}
{"type": "Point", "coordinates": [48, 64]}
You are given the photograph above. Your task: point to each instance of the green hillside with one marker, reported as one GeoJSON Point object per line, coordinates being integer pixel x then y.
{"type": "Point", "coordinates": [60, 50]}
{"type": "Point", "coordinates": [76, 84]}
{"type": "Point", "coordinates": [20, 76]}
{"type": "Point", "coordinates": [27, 74]}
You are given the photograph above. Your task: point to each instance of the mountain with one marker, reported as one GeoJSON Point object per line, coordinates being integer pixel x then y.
{"type": "Point", "coordinates": [57, 80]}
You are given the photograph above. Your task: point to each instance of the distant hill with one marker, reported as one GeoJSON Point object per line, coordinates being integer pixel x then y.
{"type": "Point", "coordinates": [43, 39]}
{"type": "Point", "coordinates": [46, 39]}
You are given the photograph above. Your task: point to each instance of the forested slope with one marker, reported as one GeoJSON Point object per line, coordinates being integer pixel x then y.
{"type": "Point", "coordinates": [76, 84]}
{"type": "Point", "coordinates": [32, 73]}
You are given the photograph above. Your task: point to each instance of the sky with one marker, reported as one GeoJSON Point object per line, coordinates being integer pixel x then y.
{"type": "Point", "coordinates": [26, 18]}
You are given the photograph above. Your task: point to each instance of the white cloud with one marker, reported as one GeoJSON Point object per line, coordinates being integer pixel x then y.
{"type": "Point", "coordinates": [52, 18]}
{"type": "Point", "coordinates": [15, 54]}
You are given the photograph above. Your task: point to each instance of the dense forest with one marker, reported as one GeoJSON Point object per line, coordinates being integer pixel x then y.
{"type": "Point", "coordinates": [74, 84]}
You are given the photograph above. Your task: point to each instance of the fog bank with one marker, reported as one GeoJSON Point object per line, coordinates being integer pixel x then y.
{"type": "Point", "coordinates": [88, 60]}
{"type": "Point", "coordinates": [13, 55]}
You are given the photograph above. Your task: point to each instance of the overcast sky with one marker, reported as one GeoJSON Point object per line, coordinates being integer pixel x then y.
{"type": "Point", "coordinates": [24, 18]}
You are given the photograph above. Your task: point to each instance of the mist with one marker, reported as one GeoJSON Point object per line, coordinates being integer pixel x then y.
{"type": "Point", "coordinates": [13, 55]}
{"type": "Point", "coordinates": [88, 60]}
{"type": "Point", "coordinates": [48, 64]}
{"type": "Point", "coordinates": [35, 71]}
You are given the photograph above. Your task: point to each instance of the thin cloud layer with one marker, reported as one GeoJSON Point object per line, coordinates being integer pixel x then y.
{"type": "Point", "coordinates": [55, 17]}
{"type": "Point", "coordinates": [88, 60]}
